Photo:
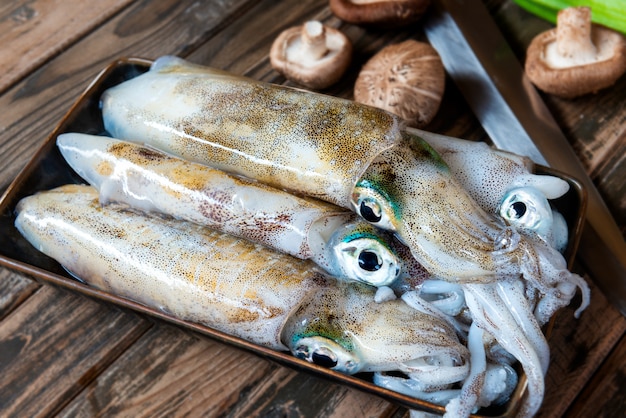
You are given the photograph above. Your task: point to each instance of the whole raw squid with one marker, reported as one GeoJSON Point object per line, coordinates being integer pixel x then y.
{"type": "Point", "coordinates": [337, 150]}
{"type": "Point", "coordinates": [147, 180]}
{"type": "Point", "coordinates": [237, 287]}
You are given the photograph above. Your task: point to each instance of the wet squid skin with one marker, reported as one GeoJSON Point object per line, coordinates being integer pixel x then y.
{"type": "Point", "coordinates": [504, 183]}
{"type": "Point", "coordinates": [234, 286]}
{"type": "Point", "coordinates": [409, 190]}
{"type": "Point", "coordinates": [315, 144]}
{"type": "Point", "coordinates": [147, 180]}
{"type": "Point", "coordinates": [333, 149]}
{"type": "Point", "coordinates": [248, 128]}
{"type": "Point", "coordinates": [399, 183]}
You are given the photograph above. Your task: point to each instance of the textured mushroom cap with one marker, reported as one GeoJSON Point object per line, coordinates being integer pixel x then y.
{"type": "Point", "coordinates": [312, 55]}
{"type": "Point", "coordinates": [566, 78]}
{"type": "Point", "coordinates": [407, 79]}
{"type": "Point", "coordinates": [379, 12]}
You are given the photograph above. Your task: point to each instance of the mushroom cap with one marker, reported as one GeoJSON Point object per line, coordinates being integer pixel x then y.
{"type": "Point", "coordinates": [577, 80]}
{"type": "Point", "coordinates": [379, 12]}
{"type": "Point", "coordinates": [290, 57]}
{"type": "Point", "coordinates": [407, 79]}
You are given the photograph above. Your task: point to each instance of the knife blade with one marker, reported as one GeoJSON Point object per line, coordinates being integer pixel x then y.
{"type": "Point", "coordinates": [491, 79]}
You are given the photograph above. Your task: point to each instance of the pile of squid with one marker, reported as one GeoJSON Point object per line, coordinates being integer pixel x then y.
{"type": "Point", "coordinates": [318, 225]}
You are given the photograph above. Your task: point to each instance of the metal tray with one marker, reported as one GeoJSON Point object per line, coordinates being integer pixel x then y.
{"type": "Point", "coordinates": [48, 169]}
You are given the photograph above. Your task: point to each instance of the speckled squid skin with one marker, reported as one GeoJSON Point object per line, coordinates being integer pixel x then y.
{"type": "Point", "coordinates": [447, 232]}
{"type": "Point", "coordinates": [314, 144]}
{"type": "Point", "coordinates": [225, 283]}
{"type": "Point", "coordinates": [334, 238]}
{"type": "Point", "coordinates": [151, 181]}
{"type": "Point", "coordinates": [488, 173]}
{"type": "Point", "coordinates": [333, 149]}
{"type": "Point", "coordinates": [310, 143]}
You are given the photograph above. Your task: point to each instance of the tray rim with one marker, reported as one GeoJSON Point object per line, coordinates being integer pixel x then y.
{"type": "Point", "coordinates": [46, 277]}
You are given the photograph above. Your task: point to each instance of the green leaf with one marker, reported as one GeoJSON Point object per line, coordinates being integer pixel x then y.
{"type": "Point", "coordinates": [609, 13]}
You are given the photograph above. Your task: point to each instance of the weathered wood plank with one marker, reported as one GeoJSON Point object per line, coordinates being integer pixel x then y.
{"type": "Point", "coordinates": [612, 175]}
{"type": "Point", "coordinates": [30, 33]}
{"type": "Point", "coordinates": [289, 394]}
{"type": "Point", "coordinates": [53, 345]}
{"type": "Point", "coordinates": [246, 41]}
{"type": "Point", "coordinates": [34, 106]}
{"type": "Point", "coordinates": [577, 348]}
{"type": "Point", "coordinates": [170, 371]}
{"type": "Point", "coordinates": [14, 289]}
{"type": "Point", "coordinates": [604, 395]}
{"type": "Point", "coordinates": [173, 372]}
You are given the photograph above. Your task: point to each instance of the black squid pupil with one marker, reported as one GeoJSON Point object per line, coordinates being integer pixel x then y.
{"type": "Point", "coordinates": [323, 360]}
{"type": "Point", "coordinates": [368, 213]}
{"type": "Point", "coordinates": [519, 208]}
{"type": "Point", "coordinates": [368, 261]}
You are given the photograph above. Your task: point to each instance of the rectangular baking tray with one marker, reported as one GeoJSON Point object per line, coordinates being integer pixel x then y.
{"type": "Point", "coordinates": [48, 170]}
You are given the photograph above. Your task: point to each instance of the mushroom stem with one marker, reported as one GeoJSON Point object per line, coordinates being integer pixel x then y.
{"type": "Point", "coordinates": [314, 39]}
{"type": "Point", "coordinates": [573, 35]}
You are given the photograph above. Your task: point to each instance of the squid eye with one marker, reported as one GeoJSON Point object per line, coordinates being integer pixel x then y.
{"type": "Point", "coordinates": [518, 209]}
{"type": "Point", "coordinates": [324, 359]}
{"type": "Point", "coordinates": [527, 208]}
{"type": "Point", "coordinates": [321, 355]}
{"type": "Point", "coordinates": [326, 352]}
{"type": "Point", "coordinates": [370, 211]}
{"type": "Point", "coordinates": [368, 260]}
{"type": "Point", "coordinates": [374, 207]}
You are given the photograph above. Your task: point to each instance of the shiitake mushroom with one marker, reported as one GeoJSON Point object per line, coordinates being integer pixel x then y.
{"type": "Point", "coordinates": [407, 79]}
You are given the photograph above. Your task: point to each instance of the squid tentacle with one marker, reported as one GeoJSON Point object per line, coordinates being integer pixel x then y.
{"type": "Point", "coordinates": [489, 313]}
{"type": "Point", "coordinates": [512, 293]}
{"type": "Point", "coordinates": [470, 394]}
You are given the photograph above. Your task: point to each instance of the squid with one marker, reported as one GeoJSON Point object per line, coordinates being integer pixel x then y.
{"type": "Point", "coordinates": [503, 183]}
{"type": "Point", "coordinates": [237, 287]}
{"type": "Point", "coordinates": [476, 232]}
{"type": "Point", "coordinates": [345, 246]}
{"type": "Point", "coordinates": [349, 154]}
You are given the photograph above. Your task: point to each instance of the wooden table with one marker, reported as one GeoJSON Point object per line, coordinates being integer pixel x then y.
{"type": "Point", "coordinates": [62, 353]}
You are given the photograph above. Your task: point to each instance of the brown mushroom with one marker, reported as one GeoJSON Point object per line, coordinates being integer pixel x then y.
{"type": "Point", "coordinates": [576, 57]}
{"type": "Point", "coordinates": [312, 55]}
{"type": "Point", "coordinates": [407, 79]}
{"type": "Point", "coordinates": [384, 13]}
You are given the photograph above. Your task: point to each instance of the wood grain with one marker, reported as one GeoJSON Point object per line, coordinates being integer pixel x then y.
{"type": "Point", "coordinates": [14, 289]}
{"type": "Point", "coordinates": [577, 349]}
{"type": "Point", "coordinates": [64, 353]}
{"type": "Point", "coordinates": [53, 345]}
{"type": "Point", "coordinates": [605, 394]}
{"type": "Point", "coordinates": [184, 374]}
{"type": "Point", "coordinates": [180, 374]}
{"type": "Point", "coordinates": [32, 32]}
{"type": "Point", "coordinates": [34, 106]}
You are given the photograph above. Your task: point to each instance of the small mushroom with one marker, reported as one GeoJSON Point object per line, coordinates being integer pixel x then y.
{"type": "Point", "coordinates": [576, 57]}
{"type": "Point", "coordinates": [407, 79]}
{"type": "Point", "coordinates": [312, 55]}
{"type": "Point", "coordinates": [383, 13]}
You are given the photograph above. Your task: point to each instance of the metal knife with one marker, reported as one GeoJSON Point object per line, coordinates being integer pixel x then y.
{"type": "Point", "coordinates": [488, 74]}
